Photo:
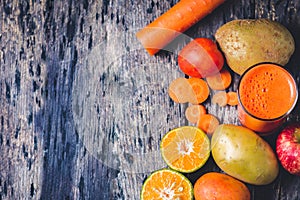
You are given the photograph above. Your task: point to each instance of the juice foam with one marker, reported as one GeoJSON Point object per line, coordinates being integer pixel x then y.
{"type": "Point", "coordinates": [267, 91]}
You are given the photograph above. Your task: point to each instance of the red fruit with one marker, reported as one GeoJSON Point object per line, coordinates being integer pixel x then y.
{"type": "Point", "coordinates": [288, 148]}
{"type": "Point", "coordinates": [200, 58]}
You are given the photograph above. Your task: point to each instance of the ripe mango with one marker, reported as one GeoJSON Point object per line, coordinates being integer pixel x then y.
{"type": "Point", "coordinates": [246, 42]}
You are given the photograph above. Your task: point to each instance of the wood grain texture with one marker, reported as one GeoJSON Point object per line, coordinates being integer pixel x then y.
{"type": "Point", "coordinates": [83, 107]}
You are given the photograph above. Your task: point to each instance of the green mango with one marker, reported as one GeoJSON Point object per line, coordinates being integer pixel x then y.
{"type": "Point", "coordinates": [243, 154]}
{"type": "Point", "coordinates": [246, 42]}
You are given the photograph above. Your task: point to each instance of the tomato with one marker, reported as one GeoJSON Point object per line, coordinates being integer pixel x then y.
{"type": "Point", "coordinates": [200, 58]}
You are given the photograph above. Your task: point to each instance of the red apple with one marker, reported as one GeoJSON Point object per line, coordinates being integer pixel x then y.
{"type": "Point", "coordinates": [288, 148]}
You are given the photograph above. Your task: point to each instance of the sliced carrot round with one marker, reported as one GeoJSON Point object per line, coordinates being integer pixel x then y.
{"type": "Point", "coordinates": [232, 98]}
{"type": "Point", "coordinates": [200, 90]}
{"type": "Point", "coordinates": [185, 149]}
{"type": "Point", "coordinates": [180, 90]}
{"type": "Point", "coordinates": [194, 112]}
{"type": "Point", "coordinates": [167, 184]}
{"type": "Point", "coordinates": [220, 98]}
{"type": "Point", "coordinates": [208, 123]}
{"type": "Point", "coordinates": [219, 81]}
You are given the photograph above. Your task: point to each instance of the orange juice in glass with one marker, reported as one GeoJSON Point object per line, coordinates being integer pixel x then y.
{"type": "Point", "coordinates": [267, 93]}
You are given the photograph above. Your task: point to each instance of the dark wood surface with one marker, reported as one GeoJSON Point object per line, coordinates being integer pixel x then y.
{"type": "Point", "coordinates": [83, 107]}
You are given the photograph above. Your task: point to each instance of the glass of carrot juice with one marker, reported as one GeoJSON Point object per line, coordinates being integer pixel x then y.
{"type": "Point", "coordinates": [267, 93]}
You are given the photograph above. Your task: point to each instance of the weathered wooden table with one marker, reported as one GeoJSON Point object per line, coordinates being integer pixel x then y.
{"type": "Point", "coordinates": [83, 107]}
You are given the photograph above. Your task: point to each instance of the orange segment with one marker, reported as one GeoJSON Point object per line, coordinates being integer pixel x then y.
{"type": "Point", "coordinates": [167, 184]}
{"type": "Point", "coordinates": [200, 90]}
{"type": "Point", "coordinates": [185, 149]}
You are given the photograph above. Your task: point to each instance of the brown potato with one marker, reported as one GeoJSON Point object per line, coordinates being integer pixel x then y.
{"type": "Point", "coordinates": [246, 42]}
{"type": "Point", "coordinates": [244, 155]}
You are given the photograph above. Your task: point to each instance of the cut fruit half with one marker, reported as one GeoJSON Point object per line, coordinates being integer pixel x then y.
{"type": "Point", "coordinates": [167, 184]}
{"type": "Point", "coordinates": [185, 149]}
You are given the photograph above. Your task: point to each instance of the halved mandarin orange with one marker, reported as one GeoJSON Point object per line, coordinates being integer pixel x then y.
{"type": "Point", "coordinates": [167, 184]}
{"type": "Point", "coordinates": [185, 149]}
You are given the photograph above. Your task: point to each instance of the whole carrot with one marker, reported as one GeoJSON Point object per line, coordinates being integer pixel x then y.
{"type": "Point", "coordinates": [178, 19]}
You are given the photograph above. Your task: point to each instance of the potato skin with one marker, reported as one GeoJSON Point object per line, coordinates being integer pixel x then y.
{"type": "Point", "coordinates": [246, 42]}
{"type": "Point", "coordinates": [218, 186]}
{"type": "Point", "coordinates": [241, 153]}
